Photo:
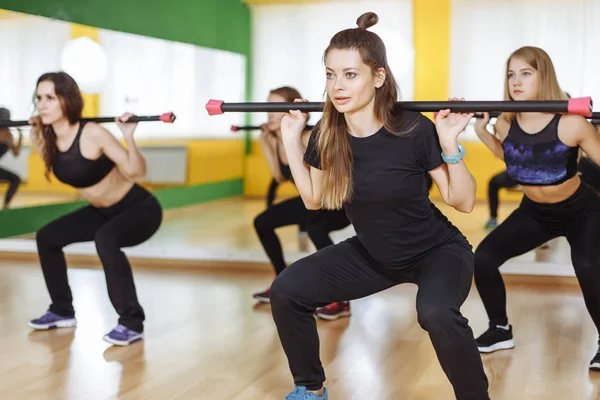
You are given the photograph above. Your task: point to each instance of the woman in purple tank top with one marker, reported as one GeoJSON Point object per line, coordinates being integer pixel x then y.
{"type": "Point", "coordinates": [541, 152]}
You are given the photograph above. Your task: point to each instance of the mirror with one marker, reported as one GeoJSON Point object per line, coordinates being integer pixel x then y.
{"type": "Point", "coordinates": [120, 72]}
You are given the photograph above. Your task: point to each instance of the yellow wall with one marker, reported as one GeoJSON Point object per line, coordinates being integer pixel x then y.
{"type": "Point", "coordinates": [431, 43]}
{"type": "Point", "coordinates": [257, 177]}
{"type": "Point", "coordinates": [214, 160]}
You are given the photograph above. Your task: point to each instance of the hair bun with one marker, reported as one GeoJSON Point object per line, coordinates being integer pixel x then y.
{"type": "Point", "coordinates": [367, 20]}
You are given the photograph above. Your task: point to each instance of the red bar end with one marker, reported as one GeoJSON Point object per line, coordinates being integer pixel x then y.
{"type": "Point", "coordinates": [214, 107]}
{"type": "Point", "coordinates": [169, 117]}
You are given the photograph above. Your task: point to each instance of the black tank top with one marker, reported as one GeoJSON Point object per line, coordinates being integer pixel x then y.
{"type": "Point", "coordinates": [72, 168]}
{"type": "Point", "coordinates": [285, 169]}
{"type": "Point", "coordinates": [539, 159]}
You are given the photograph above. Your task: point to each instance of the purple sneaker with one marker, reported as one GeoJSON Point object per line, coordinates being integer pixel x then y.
{"type": "Point", "coordinates": [52, 321]}
{"type": "Point", "coordinates": [123, 336]}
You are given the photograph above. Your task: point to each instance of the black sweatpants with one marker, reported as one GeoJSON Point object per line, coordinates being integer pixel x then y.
{"type": "Point", "coordinates": [531, 225]}
{"type": "Point", "coordinates": [13, 184]}
{"type": "Point", "coordinates": [318, 225]}
{"type": "Point", "coordinates": [498, 181]}
{"type": "Point", "coordinates": [131, 221]}
{"type": "Point", "coordinates": [346, 271]}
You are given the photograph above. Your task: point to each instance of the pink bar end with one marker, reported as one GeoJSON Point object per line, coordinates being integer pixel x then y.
{"type": "Point", "coordinates": [580, 106]}
{"type": "Point", "coordinates": [214, 107]}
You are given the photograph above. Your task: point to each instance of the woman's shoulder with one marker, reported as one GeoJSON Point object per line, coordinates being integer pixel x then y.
{"type": "Point", "coordinates": [412, 123]}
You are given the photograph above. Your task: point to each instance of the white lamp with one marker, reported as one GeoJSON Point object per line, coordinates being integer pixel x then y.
{"type": "Point", "coordinates": [85, 60]}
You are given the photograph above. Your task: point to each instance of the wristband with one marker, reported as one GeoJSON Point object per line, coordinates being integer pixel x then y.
{"type": "Point", "coordinates": [455, 158]}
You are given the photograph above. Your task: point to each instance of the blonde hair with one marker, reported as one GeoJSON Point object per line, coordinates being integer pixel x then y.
{"type": "Point", "coordinates": [540, 61]}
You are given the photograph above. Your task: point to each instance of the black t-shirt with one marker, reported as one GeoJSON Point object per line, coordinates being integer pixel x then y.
{"type": "Point", "coordinates": [390, 209]}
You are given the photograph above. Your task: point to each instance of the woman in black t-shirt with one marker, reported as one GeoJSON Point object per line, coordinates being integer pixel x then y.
{"type": "Point", "coordinates": [372, 159]}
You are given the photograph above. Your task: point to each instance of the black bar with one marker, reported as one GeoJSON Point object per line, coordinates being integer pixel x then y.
{"type": "Point", "coordinates": [256, 127]}
{"type": "Point", "coordinates": [137, 118]}
{"type": "Point", "coordinates": [558, 106]}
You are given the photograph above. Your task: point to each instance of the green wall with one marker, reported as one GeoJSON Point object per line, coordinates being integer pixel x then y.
{"type": "Point", "coordinates": [218, 24]}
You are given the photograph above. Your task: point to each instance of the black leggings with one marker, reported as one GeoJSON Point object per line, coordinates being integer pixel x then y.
{"type": "Point", "coordinates": [129, 222]}
{"type": "Point", "coordinates": [531, 225]}
{"type": "Point", "coordinates": [498, 181]}
{"type": "Point", "coordinates": [272, 193]}
{"type": "Point", "coordinates": [346, 271]}
{"type": "Point", "coordinates": [13, 184]}
{"type": "Point", "coordinates": [589, 173]}
{"type": "Point", "coordinates": [318, 224]}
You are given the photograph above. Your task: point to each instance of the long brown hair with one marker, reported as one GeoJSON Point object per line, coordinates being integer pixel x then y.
{"type": "Point", "coordinates": [333, 139]}
{"type": "Point", "coordinates": [68, 94]}
{"type": "Point", "coordinates": [289, 94]}
{"type": "Point", "coordinates": [549, 89]}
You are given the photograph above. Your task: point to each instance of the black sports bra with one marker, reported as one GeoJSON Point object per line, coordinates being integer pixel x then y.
{"type": "Point", "coordinates": [285, 168]}
{"type": "Point", "coordinates": [72, 168]}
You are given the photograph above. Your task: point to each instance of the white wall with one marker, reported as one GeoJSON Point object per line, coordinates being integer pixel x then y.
{"type": "Point", "coordinates": [153, 76]}
{"type": "Point", "coordinates": [288, 41]}
{"type": "Point", "coordinates": [29, 47]}
{"type": "Point", "coordinates": [485, 33]}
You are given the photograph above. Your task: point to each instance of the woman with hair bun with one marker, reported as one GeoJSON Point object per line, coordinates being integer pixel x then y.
{"type": "Point", "coordinates": [372, 159]}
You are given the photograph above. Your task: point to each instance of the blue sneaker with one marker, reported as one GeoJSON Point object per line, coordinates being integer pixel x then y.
{"type": "Point", "coordinates": [123, 336]}
{"type": "Point", "coordinates": [491, 224]}
{"type": "Point", "coordinates": [52, 321]}
{"type": "Point", "coordinates": [300, 393]}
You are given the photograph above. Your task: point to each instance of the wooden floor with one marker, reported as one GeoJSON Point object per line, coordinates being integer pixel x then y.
{"type": "Point", "coordinates": [207, 339]}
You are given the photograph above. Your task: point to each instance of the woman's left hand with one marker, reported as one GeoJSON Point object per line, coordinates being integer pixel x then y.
{"type": "Point", "coordinates": [449, 125]}
{"type": "Point", "coordinates": [126, 127]}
